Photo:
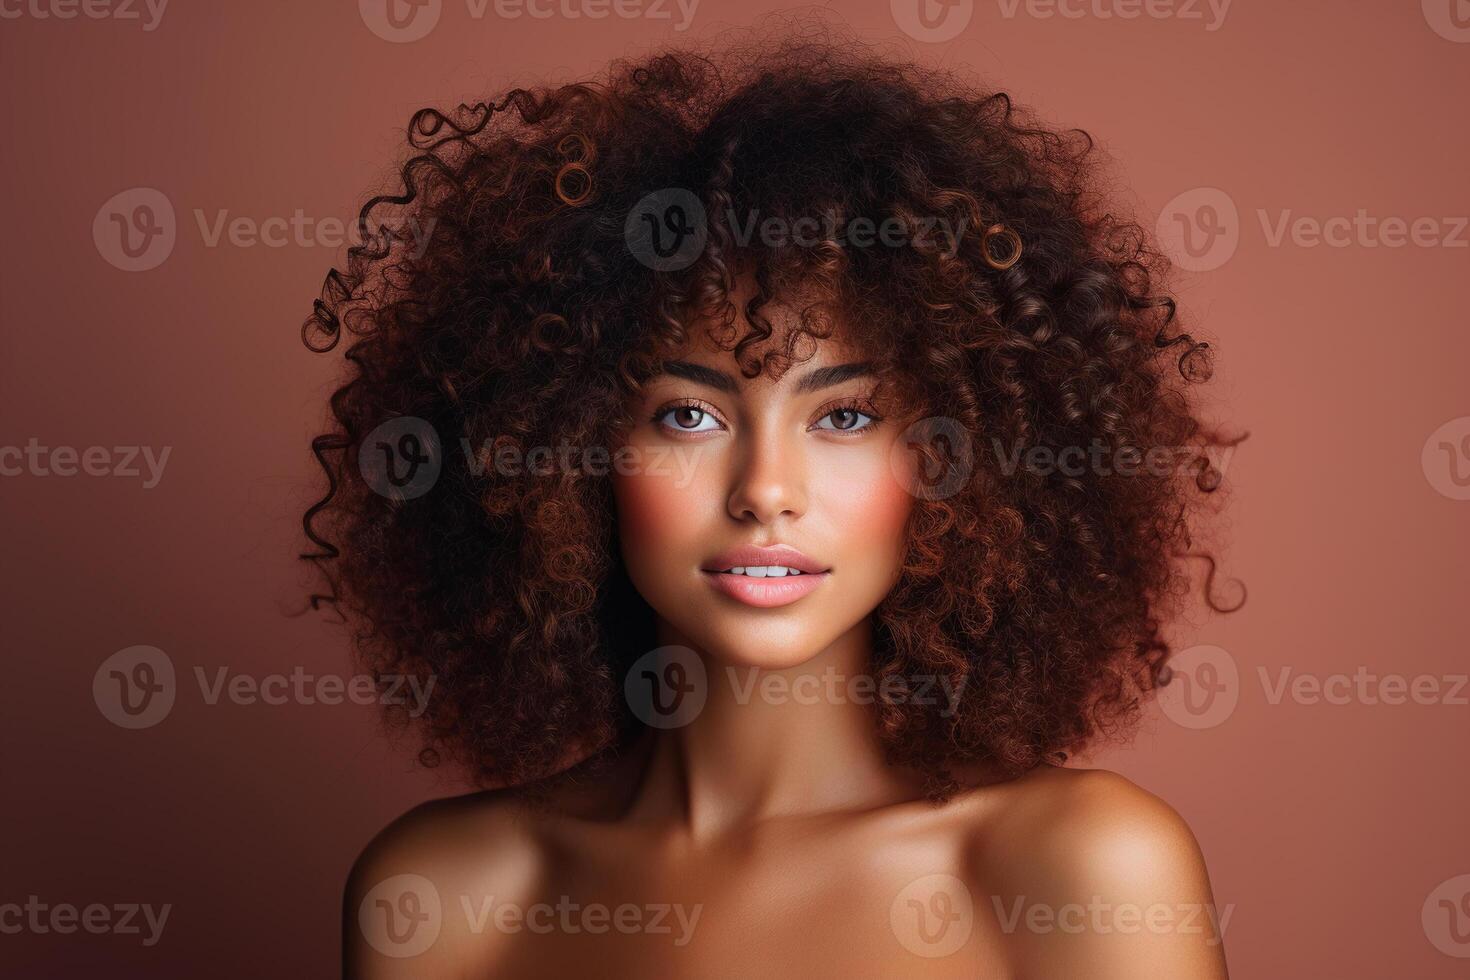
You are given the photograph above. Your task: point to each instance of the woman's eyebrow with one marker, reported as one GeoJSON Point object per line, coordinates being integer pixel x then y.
{"type": "Point", "coordinates": [700, 374]}
{"type": "Point", "coordinates": [828, 376]}
{"type": "Point", "coordinates": [824, 377]}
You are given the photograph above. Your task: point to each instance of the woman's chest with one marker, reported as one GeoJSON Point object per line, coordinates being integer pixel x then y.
{"type": "Point", "coordinates": [823, 911]}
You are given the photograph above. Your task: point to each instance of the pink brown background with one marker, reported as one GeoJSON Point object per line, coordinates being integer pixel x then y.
{"type": "Point", "coordinates": [1328, 822]}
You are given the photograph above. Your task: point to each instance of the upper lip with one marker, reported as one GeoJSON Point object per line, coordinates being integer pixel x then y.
{"type": "Point", "coordinates": [747, 555]}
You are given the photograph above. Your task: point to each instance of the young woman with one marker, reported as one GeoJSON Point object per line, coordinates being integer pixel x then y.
{"type": "Point", "coordinates": [777, 461]}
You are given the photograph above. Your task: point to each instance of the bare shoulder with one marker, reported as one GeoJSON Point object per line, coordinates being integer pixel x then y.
{"type": "Point", "coordinates": [410, 904]}
{"type": "Point", "coordinates": [1093, 822]}
{"type": "Point", "coordinates": [456, 838]}
{"type": "Point", "coordinates": [1083, 866]}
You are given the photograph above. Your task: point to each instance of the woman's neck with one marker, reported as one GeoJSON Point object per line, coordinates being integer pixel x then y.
{"type": "Point", "coordinates": [773, 743]}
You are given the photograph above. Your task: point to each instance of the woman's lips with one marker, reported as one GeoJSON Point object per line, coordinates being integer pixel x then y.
{"type": "Point", "coordinates": [766, 592]}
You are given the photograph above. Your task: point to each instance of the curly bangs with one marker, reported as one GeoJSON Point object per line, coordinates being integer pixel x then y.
{"type": "Point", "coordinates": [543, 250]}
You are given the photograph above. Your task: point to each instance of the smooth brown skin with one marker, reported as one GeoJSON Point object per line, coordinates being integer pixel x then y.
{"type": "Point", "coordinates": [777, 819]}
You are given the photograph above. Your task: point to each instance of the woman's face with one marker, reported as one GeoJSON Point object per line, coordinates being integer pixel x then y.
{"type": "Point", "coordinates": [718, 464]}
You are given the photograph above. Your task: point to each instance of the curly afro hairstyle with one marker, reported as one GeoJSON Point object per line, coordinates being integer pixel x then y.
{"type": "Point", "coordinates": [496, 297]}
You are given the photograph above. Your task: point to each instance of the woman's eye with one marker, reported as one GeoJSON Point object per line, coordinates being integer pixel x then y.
{"type": "Point", "coordinates": [687, 418]}
{"type": "Point", "coordinates": [845, 420]}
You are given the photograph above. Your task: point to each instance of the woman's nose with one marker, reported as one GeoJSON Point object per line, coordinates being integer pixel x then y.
{"type": "Point", "coordinates": [770, 477]}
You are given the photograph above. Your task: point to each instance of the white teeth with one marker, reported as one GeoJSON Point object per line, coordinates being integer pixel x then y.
{"type": "Point", "coordinates": [764, 571]}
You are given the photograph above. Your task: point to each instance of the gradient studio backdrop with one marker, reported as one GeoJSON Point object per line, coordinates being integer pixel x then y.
{"type": "Point", "coordinates": [1283, 148]}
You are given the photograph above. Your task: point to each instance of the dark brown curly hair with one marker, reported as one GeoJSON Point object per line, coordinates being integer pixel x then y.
{"type": "Point", "coordinates": [515, 312]}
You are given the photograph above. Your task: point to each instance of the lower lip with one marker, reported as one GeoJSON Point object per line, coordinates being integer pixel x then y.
{"type": "Point", "coordinates": [766, 592]}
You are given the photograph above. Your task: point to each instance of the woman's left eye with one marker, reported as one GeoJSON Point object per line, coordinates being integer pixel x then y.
{"type": "Point", "coordinates": [845, 420]}
{"type": "Point", "coordinates": [688, 418]}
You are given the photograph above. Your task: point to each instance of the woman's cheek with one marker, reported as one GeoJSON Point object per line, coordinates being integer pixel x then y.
{"type": "Point", "coordinates": [866, 494]}
{"type": "Point", "coordinates": [663, 505]}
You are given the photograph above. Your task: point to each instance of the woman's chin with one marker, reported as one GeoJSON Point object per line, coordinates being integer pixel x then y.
{"type": "Point", "coordinates": [769, 653]}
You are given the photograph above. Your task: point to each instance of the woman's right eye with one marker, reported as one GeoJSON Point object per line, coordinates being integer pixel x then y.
{"type": "Point", "coordinates": [689, 418]}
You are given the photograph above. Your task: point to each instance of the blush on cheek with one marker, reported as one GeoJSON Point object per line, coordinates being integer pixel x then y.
{"type": "Point", "coordinates": [873, 501]}
{"type": "Point", "coordinates": [662, 516]}
{"type": "Point", "coordinates": [644, 505]}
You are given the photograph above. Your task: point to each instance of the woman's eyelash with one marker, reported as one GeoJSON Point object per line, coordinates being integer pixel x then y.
{"type": "Point", "coordinates": [668, 407]}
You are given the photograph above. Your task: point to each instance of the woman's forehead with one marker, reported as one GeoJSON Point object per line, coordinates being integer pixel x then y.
{"type": "Point", "coordinates": [804, 328]}
{"type": "Point", "coordinates": [715, 344]}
